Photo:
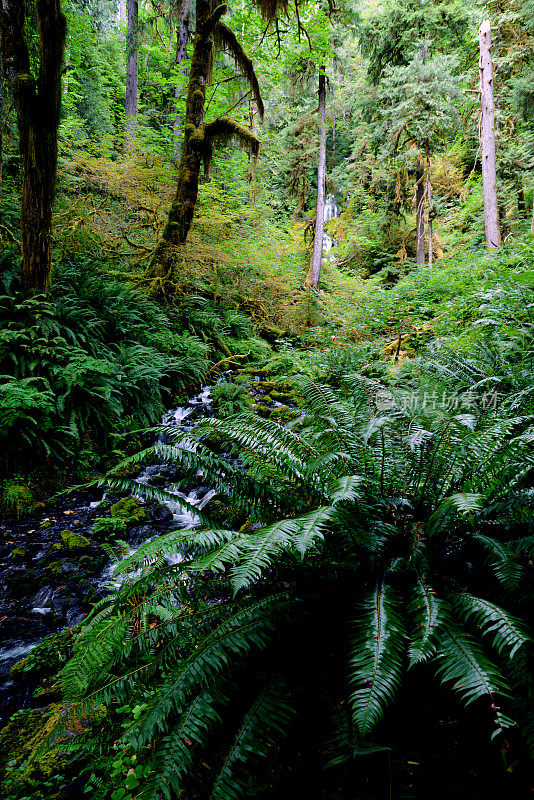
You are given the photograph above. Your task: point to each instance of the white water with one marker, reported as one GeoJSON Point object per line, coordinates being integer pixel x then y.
{"type": "Point", "coordinates": [330, 212]}
{"type": "Point", "coordinates": [184, 517]}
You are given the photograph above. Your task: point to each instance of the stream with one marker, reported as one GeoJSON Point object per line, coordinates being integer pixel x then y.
{"type": "Point", "coordinates": [43, 589]}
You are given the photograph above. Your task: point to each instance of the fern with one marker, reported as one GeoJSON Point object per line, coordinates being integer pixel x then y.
{"type": "Point", "coordinates": [375, 663]}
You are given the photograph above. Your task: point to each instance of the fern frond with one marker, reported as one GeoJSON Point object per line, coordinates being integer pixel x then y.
{"type": "Point", "coordinates": [375, 661]}
{"type": "Point", "coordinates": [427, 612]}
{"type": "Point", "coordinates": [506, 632]}
{"type": "Point", "coordinates": [267, 718]}
{"type": "Point", "coordinates": [464, 664]}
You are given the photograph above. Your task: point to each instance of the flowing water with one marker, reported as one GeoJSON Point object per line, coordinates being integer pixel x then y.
{"type": "Point", "coordinates": [330, 212]}
{"type": "Point", "coordinates": [32, 605]}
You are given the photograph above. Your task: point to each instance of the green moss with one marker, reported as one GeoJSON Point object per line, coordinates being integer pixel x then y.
{"type": "Point", "coordinates": [45, 524]}
{"type": "Point", "coordinates": [282, 414]}
{"type": "Point", "coordinates": [18, 669]}
{"type": "Point", "coordinates": [19, 555]}
{"type": "Point", "coordinates": [73, 542]}
{"type": "Point", "coordinates": [56, 568]}
{"type": "Point", "coordinates": [127, 471]}
{"type": "Point", "coordinates": [285, 397]}
{"type": "Point", "coordinates": [128, 509]}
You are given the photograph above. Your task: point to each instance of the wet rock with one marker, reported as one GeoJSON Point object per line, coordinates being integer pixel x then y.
{"type": "Point", "coordinates": [61, 568]}
{"type": "Point", "coordinates": [73, 542]}
{"type": "Point", "coordinates": [160, 513]}
{"type": "Point", "coordinates": [87, 563]}
{"type": "Point", "coordinates": [20, 555]}
{"type": "Point", "coordinates": [128, 508]}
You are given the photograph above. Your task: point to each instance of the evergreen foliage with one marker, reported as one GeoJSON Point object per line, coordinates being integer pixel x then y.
{"type": "Point", "coordinates": [384, 516]}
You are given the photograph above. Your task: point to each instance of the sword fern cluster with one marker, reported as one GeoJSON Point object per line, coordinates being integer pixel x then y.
{"type": "Point", "coordinates": [377, 543]}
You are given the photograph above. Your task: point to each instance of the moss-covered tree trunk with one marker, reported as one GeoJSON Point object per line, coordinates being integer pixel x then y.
{"type": "Point", "coordinates": [37, 103]}
{"type": "Point", "coordinates": [317, 255]}
{"type": "Point", "coordinates": [183, 8]}
{"type": "Point", "coordinates": [185, 199]}
{"type": "Point", "coordinates": [132, 74]}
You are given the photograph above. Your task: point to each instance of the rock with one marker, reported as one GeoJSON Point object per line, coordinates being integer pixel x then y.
{"type": "Point", "coordinates": [87, 563]}
{"type": "Point", "coordinates": [17, 670]}
{"type": "Point", "coordinates": [20, 555]}
{"type": "Point", "coordinates": [45, 524]}
{"type": "Point", "coordinates": [160, 513]}
{"type": "Point", "coordinates": [128, 509]}
{"type": "Point", "coordinates": [59, 569]}
{"type": "Point", "coordinates": [72, 542]}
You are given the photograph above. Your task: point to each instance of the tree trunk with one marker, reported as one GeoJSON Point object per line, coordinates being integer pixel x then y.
{"type": "Point", "coordinates": [430, 214]}
{"type": "Point", "coordinates": [132, 54]}
{"type": "Point", "coordinates": [37, 104]}
{"type": "Point", "coordinates": [182, 35]}
{"type": "Point", "coordinates": [121, 11]}
{"type": "Point", "coordinates": [315, 268]}
{"type": "Point", "coordinates": [185, 199]}
{"type": "Point", "coordinates": [521, 205]}
{"type": "Point", "coordinates": [2, 111]}
{"type": "Point", "coordinates": [487, 138]}
{"type": "Point", "coordinates": [420, 212]}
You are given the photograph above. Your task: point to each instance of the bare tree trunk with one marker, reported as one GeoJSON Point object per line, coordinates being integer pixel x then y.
{"type": "Point", "coordinates": [315, 268]}
{"type": "Point", "coordinates": [420, 212]}
{"type": "Point", "coordinates": [121, 11]}
{"type": "Point", "coordinates": [487, 138]}
{"type": "Point", "coordinates": [532, 223]}
{"type": "Point", "coordinates": [132, 55]}
{"type": "Point", "coordinates": [182, 35]}
{"type": "Point", "coordinates": [429, 206]}
{"type": "Point", "coordinates": [37, 104]}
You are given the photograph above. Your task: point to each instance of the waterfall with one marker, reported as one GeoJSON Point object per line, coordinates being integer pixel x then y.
{"type": "Point", "coordinates": [330, 212]}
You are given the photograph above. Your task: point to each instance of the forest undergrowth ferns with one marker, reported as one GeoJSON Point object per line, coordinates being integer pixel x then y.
{"type": "Point", "coordinates": [390, 541]}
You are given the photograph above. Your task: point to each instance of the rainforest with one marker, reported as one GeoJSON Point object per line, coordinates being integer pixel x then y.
{"type": "Point", "coordinates": [266, 399]}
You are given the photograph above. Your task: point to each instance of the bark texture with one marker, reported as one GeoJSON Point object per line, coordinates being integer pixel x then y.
{"type": "Point", "coordinates": [132, 72]}
{"type": "Point", "coordinates": [315, 268]}
{"type": "Point", "coordinates": [183, 8]}
{"type": "Point", "coordinates": [420, 212]}
{"type": "Point", "coordinates": [430, 214]}
{"type": "Point", "coordinates": [37, 104]}
{"type": "Point", "coordinates": [184, 202]}
{"type": "Point", "coordinates": [487, 138]}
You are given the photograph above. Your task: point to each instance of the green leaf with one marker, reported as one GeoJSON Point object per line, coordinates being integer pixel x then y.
{"type": "Point", "coordinates": [427, 612]}
{"type": "Point", "coordinates": [375, 661]}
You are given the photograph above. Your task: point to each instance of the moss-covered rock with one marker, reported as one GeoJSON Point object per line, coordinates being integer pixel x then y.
{"type": "Point", "coordinates": [20, 555]}
{"type": "Point", "coordinates": [60, 568]}
{"type": "Point", "coordinates": [127, 471]}
{"type": "Point", "coordinates": [18, 670]}
{"type": "Point", "coordinates": [282, 414]}
{"type": "Point", "coordinates": [128, 508]}
{"type": "Point", "coordinates": [285, 397]}
{"type": "Point", "coordinates": [73, 542]}
{"type": "Point", "coordinates": [45, 524]}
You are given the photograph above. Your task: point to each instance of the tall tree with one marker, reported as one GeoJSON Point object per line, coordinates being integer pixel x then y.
{"type": "Point", "coordinates": [132, 72]}
{"type": "Point", "coordinates": [315, 268]}
{"type": "Point", "coordinates": [37, 103]}
{"type": "Point", "coordinates": [183, 8]}
{"type": "Point", "coordinates": [487, 138]}
{"type": "Point", "coordinates": [416, 111]}
{"type": "Point", "coordinates": [199, 136]}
